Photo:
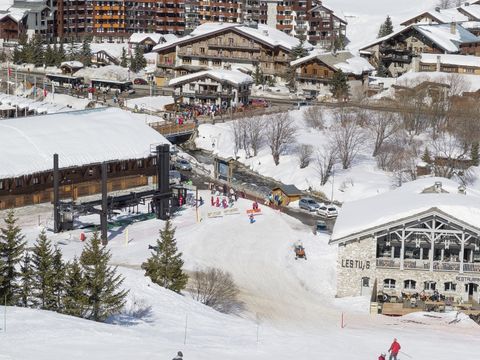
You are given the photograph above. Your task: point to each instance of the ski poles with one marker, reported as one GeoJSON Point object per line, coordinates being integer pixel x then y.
{"type": "Point", "coordinates": [403, 353]}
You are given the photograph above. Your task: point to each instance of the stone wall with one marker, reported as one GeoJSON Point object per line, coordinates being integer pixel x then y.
{"type": "Point", "coordinates": [355, 261]}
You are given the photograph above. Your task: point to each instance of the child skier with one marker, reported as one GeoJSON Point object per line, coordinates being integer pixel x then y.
{"type": "Point", "coordinates": [382, 356]}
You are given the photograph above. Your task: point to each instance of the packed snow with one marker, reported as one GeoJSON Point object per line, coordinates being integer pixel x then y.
{"type": "Point", "coordinates": [150, 103]}
{"type": "Point", "coordinates": [289, 305]}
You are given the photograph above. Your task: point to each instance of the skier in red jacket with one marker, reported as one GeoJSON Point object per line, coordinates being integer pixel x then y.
{"type": "Point", "coordinates": [394, 349]}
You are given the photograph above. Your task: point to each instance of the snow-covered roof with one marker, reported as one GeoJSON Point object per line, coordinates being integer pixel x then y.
{"type": "Point", "coordinates": [109, 72]}
{"type": "Point", "coordinates": [451, 59]}
{"type": "Point", "coordinates": [440, 34]}
{"type": "Point", "coordinates": [72, 64]}
{"type": "Point", "coordinates": [27, 144]}
{"type": "Point", "coordinates": [365, 215]}
{"type": "Point", "coordinates": [342, 60]}
{"type": "Point", "coordinates": [472, 10]}
{"type": "Point", "coordinates": [263, 33]}
{"type": "Point", "coordinates": [137, 38]}
{"type": "Point", "coordinates": [231, 76]}
{"type": "Point", "coordinates": [15, 13]}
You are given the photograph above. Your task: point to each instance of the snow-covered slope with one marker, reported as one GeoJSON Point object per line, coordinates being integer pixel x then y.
{"type": "Point", "coordinates": [289, 304]}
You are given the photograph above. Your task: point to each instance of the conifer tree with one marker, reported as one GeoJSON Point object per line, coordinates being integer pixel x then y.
{"type": "Point", "coordinates": [12, 245]}
{"type": "Point", "coordinates": [386, 28]}
{"type": "Point", "coordinates": [75, 299]}
{"type": "Point", "coordinates": [382, 71]}
{"type": "Point", "coordinates": [165, 265]}
{"type": "Point", "coordinates": [61, 56]}
{"type": "Point", "coordinates": [102, 283]}
{"type": "Point", "coordinates": [123, 58]}
{"type": "Point", "coordinates": [72, 53]}
{"type": "Point", "coordinates": [339, 85]}
{"type": "Point", "coordinates": [133, 65]}
{"type": "Point", "coordinates": [26, 281]}
{"type": "Point", "coordinates": [258, 75]}
{"type": "Point", "coordinates": [474, 154]}
{"type": "Point", "coordinates": [426, 157]}
{"type": "Point", "coordinates": [140, 61]}
{"type": "Point", "coordinates": [43, 273]}
{"type": "Point", "coordinates": [86, 52]}
{"type": "Point", "coordinates": [58, 267]}
{"type": "Point", "coordinates": [49, 56]}
{"type": "Point", "coordinates": [37, 53]}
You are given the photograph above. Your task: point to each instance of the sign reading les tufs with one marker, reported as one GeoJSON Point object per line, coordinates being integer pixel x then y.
{"type": "Point", "coordinates": [356, 264]}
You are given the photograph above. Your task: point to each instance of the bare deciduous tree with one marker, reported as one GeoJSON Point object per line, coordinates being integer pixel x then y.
{"type": "Point", "coordinates": [399, 155]}
{"type": "Point", "coordinates": [215, 288]}
{"type": "Point", "coordinates": [279, 133]}
{"type": "Point", "coordinates": [449, 153]}
{"type": "Point", "coordinates": [237, 132]}
{"type": "Point", "coordinates": [313, 117]}
{"type": "Point", "coordinates": [348, 137]}
{"type": "Point", "coordinates": [382, 126]}
{"type": "Point", "coordinates": [255, 132]}
{"type": "Point", "coordinates": [325, 158]}
{"type": "Point", "coordinates": [304, 153]}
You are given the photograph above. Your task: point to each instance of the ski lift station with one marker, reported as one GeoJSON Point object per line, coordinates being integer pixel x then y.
{"type": "Point", "coordinates": [83, 140]}
{"type": "Point", "coordinates": [413, 248]}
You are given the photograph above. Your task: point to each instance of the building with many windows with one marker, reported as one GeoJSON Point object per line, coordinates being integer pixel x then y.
{"type": "Point", "coordinates": [419, 241]}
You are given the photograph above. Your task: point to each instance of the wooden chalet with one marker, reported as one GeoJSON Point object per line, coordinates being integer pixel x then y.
{"type": "Point", "coordinates": [11, 27]}
{"type": "Point", "coordinates": [230, 47]}
{"type": "Point", "coordinates": [397, 51]}
{"type": "Point", "coordinates": [315, 71]}
{"type": "Point", "coordinates": [83, 140]}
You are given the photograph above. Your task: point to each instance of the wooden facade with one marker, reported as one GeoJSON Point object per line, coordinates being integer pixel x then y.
{"type": "Point", "coordinates": [10, 29]}
{"type": "Point", "coordinates": [225, 49]}
{"type": "Point", "coordinates": [75, 181]}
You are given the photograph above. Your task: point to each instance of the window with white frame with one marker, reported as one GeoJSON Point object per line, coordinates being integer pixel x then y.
{"type": "Point", "coordinates": [450, 286]}
{"type": "Point", "coordinates": [389, 284]}
{"type": "Point", "coordinates": [409, 284]}
{"type": "Point", "coordinates": [429, 285]}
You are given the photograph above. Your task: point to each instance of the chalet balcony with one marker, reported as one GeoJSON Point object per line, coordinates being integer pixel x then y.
{"type": "Point", "coordinates": [413, 264]}
{"type": "Point", "coordinates": [212, 94]}
{"type": "Point", "coordinates": [245, 57]}
{"type": "Point", "coordinates": [407, 59]}
{"type": "Point", "coordinates": [475, 267]}
{"type": "Point", "coordinates": [220, 45]}
{"type": "Point", "coordinates": [312, 77]}
{"type": "Point", "coordinates": [388, 263]}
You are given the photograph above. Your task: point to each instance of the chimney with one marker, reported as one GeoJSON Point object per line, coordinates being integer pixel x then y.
{"type": "Point", "coordinates": [265, 32]}
{"type": "Point", "coordinates": [462, 190]}
{"type": "Point", "coordinates": [467, 4]}
{"type": "Point", "coordinates": [438, 186]}
{"type": "Point", "coordinates": [437, 9]}
{"type": "Point", "coordinates": [453, 28]}
{"type": "Point", "coordinates": [439, 63]}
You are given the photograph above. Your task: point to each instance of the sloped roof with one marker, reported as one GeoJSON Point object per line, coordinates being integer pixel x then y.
{"type": "Point", "coordinates": [27, 144]}
{"type": "Point", "coordinates": [342, 60]}
{"type": "Point", "coordinates": [439, 34]}
{"type": "Point", "coordinates": [262, 33]}
{"type": "Point", "coordinates": [231, 76]}
{"type": "Point", "coordinates": [289, 190]}
{"type": "Point", "coordinates": [405, 202]}
{"type": "Point", "coordinates": [137, 38]}
{"type": "Point", "coordinates": [451, 59]}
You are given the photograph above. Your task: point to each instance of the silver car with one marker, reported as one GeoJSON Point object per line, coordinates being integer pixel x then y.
{"type": "Point", "coordinates": [308, 204]}
{"type": "Point", "coordinates": [182, 164]}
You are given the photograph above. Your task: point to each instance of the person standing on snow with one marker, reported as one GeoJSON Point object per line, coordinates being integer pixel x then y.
{"type": "Point", "coordinates": [394, 349]}
{"type": "Point", "coordinates": [179, 356]}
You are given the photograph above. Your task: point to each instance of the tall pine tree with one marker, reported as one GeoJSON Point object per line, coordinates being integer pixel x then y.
{"type": "Point", "coordinates": [123, 58]}
{"type": "Point", "coordinates": [12, 245]}
{"type": "Point", "coordinates": [43, 273]}
{"type": "Point", "coordinates": [58, 267]}
{"type": "Point", "coordinates": [26, 281]}
{"type": "Point", "coordinates": [102, 283]}
{"type": "Point", "coordinates": [75, 299]}
{"type": "Point", "coordinates": [165, 265]}
{"type": "Point", "coordinates": [474, 154]}
{"type": "Point", "coordinates": [86, 52]}
{"type": "Point", "coordinates": [339, 86]}
{"type": "Point", "coordinates": [140, 61]}
{"type": "Point", "coordinates": [386, 28]}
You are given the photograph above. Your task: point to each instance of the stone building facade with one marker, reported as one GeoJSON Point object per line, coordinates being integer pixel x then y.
{"type": "Point", "coordinates": [421, 242]}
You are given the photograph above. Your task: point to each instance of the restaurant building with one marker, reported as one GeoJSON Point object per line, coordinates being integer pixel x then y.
{"type": "Point", "coordinates": [422, 238]}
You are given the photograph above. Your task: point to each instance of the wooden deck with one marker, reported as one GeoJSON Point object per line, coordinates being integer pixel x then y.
{"type": "Point", "coordinates": [172, 130]}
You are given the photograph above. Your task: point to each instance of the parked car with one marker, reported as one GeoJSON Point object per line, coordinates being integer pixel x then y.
{"type": "Point", "coordinates": [140, 81]}
{"type": "Point", "coordinates": [182, 164]}
{"type": "Point", "coordinates": [320, 227]}
{"type": "Point", "coordinates": [308, 204]}
{"type": "Point", "coordinates": [327, 211]}
{"type": "Point", "coordinates": [258, 103]}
